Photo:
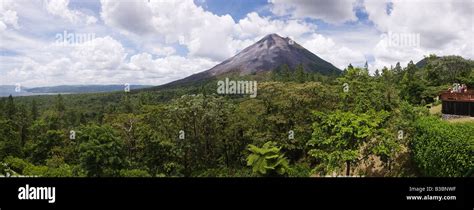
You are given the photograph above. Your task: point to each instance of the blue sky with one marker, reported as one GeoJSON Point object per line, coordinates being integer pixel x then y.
{"type": "Point", "coordinates": [237, 9]}
{"type": "Point", "coordinates": [154, 41]}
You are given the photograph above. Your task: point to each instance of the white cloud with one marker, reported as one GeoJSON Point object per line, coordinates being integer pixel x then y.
{"type": "Point", "coordinates": [327, 49]}
{"type": "Point", "coordinates": [129, 16]}
{"type": "Point", "coordinates": [8, 15]}
{"type": "Point", "coordinates": [171, 67]}
{"type": "Point", "coordinates": [209, 39]}
{"type": "Point", "coordinates": [99, 54]}
{"type": "Point", "coordinates": [443, 27]}
{"type": "Point", "coordinates": [60, 8]}
{"type": "Point", "coordinates": [387, 55]}
{"type": "Point", "coordinates": [253, 25]}
{"type": "Point", "coordinates": [75, 64]}
{"type": "Point", "coordinates": [154, 42]}
{"type": "Point", "coordinates": [334, 11]}
{"type": "Point", "coordinates": [163, 51]}
{"type": "Point", "coordinates": [213, 39]}
{"type": "Point", "coordinates": [100, 61]}
{"type": "Point", "coordinates": [203, 33]}
{"type": "Point", "coordinates": [211, 36]}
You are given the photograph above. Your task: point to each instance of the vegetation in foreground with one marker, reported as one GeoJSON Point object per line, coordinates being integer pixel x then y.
{"type": "Point", "coordinates": [299, 125]}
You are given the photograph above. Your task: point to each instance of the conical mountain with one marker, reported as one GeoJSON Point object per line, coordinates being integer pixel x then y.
{"type": "Point", "coordinates": [269, 53]}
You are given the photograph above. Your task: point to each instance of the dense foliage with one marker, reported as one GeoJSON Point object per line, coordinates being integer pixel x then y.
{"type": "Point", "coordinates": [339, 136]}
{"type": "Point", "coordinates": [443, 149]}
{"type": "Point", "coordinates": [300, 124]}
{"type": "Point", "coordinates": [267, 160]}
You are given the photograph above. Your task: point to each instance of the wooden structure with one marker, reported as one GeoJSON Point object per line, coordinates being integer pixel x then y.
{"type": "Point", "coordinates": [458, 103]}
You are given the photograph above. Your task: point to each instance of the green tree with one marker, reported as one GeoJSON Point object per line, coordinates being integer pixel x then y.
{"type": "Point", "coordinates": [2, 108]}
{"type": "Point", "coordinates": [10, 108]}
{"type": "Point", "coordinates": [412, 85]}
{"type": "Point", "coordinates": [127, 105]}
{"type": "Point", "coordinates": [398, 72]}
{"type": "Point", "coordinates": [22, 121]}
{"type": "Point", "coordinates": [100, 151]}
{"type": "Point", "coordinates": [447, 69]}
{"type": "Point", "coordinates": [34, 110]}
{"type": "Point", "coordinates": [349, 67]}
{"type": "Point", "coordinates": [46, 145]}
{"type": "Point", "coordinates": [134, 173]}
{"type": "Point", "coordinates": [55, 167]}
{"type": "Point", "coordinates": [126, 125]}
{"type": "Point", "coordinates": [386, 74]}
{"type": "Point", "coordinates": [267, 160]}
{"type": "Point", "coordinates": [385, 146]}
{"type": "Point", "coordinates": [277, 74]}
{"type": "Point", "coordinates": [285, 73]}
{"type": "Point", "coordinates": [338, 137]}
{"type": "Point", "coordinates": [364, 92]}
{"type": "Point", "coordinates": [300, 74]}
{"type": "Point", "coordinates": [377, 73]}
{"type": "Point", "coordinates": [59, 104]}
{"type": "Point", "coordinates": [10, 144]}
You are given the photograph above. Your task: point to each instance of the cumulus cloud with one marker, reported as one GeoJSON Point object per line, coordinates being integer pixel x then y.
{"type": "Point", "coordinates": [334, 11]}
{"type": "Point", "coordinates": [60, 8]}
{"type": "Point", "coordinates": [208, 38]}
{"type": "Point", "coordinates": [203, 33]}
{"type": "Point", "coordinates": [253, 25]}
{"type": "Point", "coordinates": [154, 42]}
{"type": "Point", "coordinates": [129, 16]}
{"type": "Point", "coordinates": [442, 27]}
{"type": "Point", "coordinates": [170, 67]}
{"type": "Point", "coordinates": [338, 55]}
{"type": "Point", "coordinates": [8, 15]}
{"type": "Point", "coordinates": [99, 54]}
{"type": "Point", "coordinates": [213, 39]}
{"type": "Point", "coordinates": [102, 60]}
{"type": "Point", "coordinates": [163, 51]}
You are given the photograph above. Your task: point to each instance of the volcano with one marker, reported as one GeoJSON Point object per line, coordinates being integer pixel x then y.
{"type": "Point", "coordinates": [269, 53]}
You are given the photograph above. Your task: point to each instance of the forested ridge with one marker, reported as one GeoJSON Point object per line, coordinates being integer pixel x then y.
{"type": "Point", "coordinates": [300, 125]}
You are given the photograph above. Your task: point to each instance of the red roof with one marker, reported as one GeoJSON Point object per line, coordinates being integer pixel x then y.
{"type": "Point", "coordinates": [462, 97]}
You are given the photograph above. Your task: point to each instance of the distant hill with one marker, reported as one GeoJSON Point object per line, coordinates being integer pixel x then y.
{"type": "Point", "coordinates": [83, 88]}
{"type": "Point", "coordinates": [422, 63]}
{"type": "Point", "coordinates": [266, 55]}
{"type": "Point", "coordinates": [447, 70]}
{"type": "Point", "coordinates": [6, 90]}
{"type": "Point", "coordinates": [446, 59]}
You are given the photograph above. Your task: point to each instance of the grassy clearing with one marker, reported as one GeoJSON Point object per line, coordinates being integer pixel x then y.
{"type": "Point", "coordinates": [435, 109]}
{"type": "Point", "coordinates": [462, 120]}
